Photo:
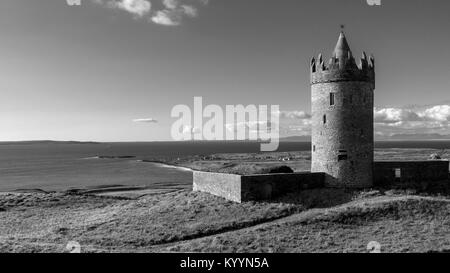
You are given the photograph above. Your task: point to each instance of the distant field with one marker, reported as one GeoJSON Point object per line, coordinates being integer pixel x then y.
{"type": "Point", "coordinates": [253, 163]}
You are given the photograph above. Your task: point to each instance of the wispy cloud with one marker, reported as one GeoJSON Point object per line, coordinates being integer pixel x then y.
{"type": "Point", "coordinates": [171, 13]}
{"type": "Point", "coordinates": [145, 120]}
{"type": "Point", "coordinates": [166, 18]}
{"type": "Point", "coordinates": [174, 11]}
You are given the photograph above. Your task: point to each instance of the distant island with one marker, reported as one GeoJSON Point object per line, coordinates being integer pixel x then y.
{"type": "Point", "coordinates": [414, 137]}
{"type": "Point", "coordinates": [395, 137]}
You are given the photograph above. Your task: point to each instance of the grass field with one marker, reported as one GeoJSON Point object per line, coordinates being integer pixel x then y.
{"type": "Point", "coordinates": [321, 220]}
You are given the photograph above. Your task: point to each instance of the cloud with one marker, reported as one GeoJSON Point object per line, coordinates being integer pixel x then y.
{"type": "Point", "coordinates": [145, 120]}
{"type": "Point", "coordinates": [252, 126]}
{"type": "Point", "coordinates": [436, 113]}
{"type": "Point", "coordinates": [294, 115]}
{"type": "Point", "coordinates": [394, 115]}
{"type": "Point", "coordinates": [136, 7]}
{"type": "Point", "coordinates": [170, 4]}
{"type": "Point", "coordinates": [429, 119]}
{"type": "Point", "coordinates": [189, 11]}
{"type": "Point", "coordinates": [172, 12]}
{"type": "Point", "coordinates": [166, 18]}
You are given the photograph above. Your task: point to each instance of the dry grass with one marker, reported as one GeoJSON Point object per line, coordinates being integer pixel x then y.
{"type": "Point", "coordinates": [315, 221]}
{"type": "Point", "coordinates": [399, 224]}
{"type": "Point", "coordinates": [46, 222]}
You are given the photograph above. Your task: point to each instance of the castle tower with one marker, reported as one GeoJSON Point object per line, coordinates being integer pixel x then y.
{"type": "Point", "coordinates": [342, 117]}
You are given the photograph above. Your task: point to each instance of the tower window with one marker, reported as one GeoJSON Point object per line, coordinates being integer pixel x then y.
{"type": "Point", "coordinates": [332, 97]}
{"type": "Point", "coordinates": [398, 173]}
{"type": "Point", "coordinates": [324, 119]}
{"type": "Point", "coordinates": [342, 155]}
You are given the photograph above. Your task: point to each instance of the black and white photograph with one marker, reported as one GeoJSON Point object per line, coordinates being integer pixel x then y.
{"type": "Point", "coordinates": [224, 127]}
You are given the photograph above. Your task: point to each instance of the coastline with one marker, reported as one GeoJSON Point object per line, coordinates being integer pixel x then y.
{"type": "Point", "coordinates": [113, 188]}
{"type": "Point", "coordinates": [236, 163]}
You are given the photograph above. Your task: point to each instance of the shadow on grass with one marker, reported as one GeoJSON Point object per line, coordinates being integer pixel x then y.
{"type": "Point", "coordinates": [318, 198]}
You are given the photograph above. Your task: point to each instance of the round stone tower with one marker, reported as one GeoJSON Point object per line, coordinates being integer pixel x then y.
{"type": "Point", "coordinates": [342, 117]}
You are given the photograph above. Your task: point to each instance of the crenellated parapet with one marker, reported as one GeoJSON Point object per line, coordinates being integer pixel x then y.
{"type": "Point", "coordinates": [342, 66]}
{"type": "Point", "coordinates": [343, 69]}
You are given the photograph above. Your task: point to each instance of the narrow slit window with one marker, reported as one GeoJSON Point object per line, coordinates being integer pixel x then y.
{"type": "Point", "coordinates": [324, 119]}
{"type": "Point", "coordinates": [314, 148]}
{"type": "Point", "coordinates": [332, 97]}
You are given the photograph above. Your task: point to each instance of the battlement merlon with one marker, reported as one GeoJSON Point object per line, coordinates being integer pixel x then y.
{"type": "Point", "coordinates": [342, 66]}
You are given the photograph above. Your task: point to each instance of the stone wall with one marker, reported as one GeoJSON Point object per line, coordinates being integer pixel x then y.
{"type": "Point", "coordinates": [224, 185]}
{"type": "Point", "coordinates": [342, 133]}
{"type": "Point", "coordinates": [270, 186]}
{"type": "Point", "coordinates": [410, 173]}
{"type": "Point", "coordinates": [244, 188]}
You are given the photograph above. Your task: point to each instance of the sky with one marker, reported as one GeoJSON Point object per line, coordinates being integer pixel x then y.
{"type": "Point", "coordinates": [112, 70]}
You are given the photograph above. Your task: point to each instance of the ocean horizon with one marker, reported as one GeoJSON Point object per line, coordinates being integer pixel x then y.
{"type": "Point", "coordinates": [60, 166]}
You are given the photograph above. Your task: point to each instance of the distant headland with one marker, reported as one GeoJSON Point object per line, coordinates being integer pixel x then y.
{"type": "Point", "coordinates": [46, 142]}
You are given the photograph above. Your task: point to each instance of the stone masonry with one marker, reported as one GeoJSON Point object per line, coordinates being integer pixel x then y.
{"type": "Point", "coordinates": [342, 117]}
